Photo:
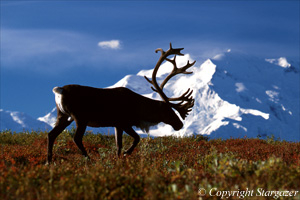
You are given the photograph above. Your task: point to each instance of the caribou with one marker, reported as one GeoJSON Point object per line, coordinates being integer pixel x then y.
{"type": "Point", "coordinates": [120, 107]}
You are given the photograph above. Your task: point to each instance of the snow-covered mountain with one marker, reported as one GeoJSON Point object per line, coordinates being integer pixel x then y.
{"type": "Point", "coordinates": [19, 121]}
{"type": "Point", "coordinates": [236, 95]}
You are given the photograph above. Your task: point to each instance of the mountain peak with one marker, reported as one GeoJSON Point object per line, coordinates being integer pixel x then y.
{"type": "Point", "coordinates": [50, 118]}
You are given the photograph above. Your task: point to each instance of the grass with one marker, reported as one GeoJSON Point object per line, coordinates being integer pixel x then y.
{"type": "Point", "coordinates": [159, 168]}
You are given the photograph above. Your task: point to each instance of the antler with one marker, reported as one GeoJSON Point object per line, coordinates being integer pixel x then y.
{"type": "Point", "coordinates": [182, 108]}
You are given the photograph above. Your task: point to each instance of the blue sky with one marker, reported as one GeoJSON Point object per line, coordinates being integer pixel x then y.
{"type": "Point", "coordinates": [52, 43]}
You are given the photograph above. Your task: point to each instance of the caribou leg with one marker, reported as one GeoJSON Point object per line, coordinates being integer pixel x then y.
{"type": "Point", "coordinates": [132, 133]}
{"type": "Point", "coordinates": [61, 123]}
{"type": "Point", "coordinates": [80, 130]}
{"type": "Point", "coordinates": [118, 136]}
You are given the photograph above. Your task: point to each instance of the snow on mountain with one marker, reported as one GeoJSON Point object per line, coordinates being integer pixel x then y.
{"type": "Point", "coordinates": [268, 87]}
{"type": "Point", "coordinates": [19, 121]}
{"type": "Point", "coordinates": [236, 95]}
{"type": "Point", "coordinates": [282, 62]}
{"type": "Point", "coordinates": [50, 118]}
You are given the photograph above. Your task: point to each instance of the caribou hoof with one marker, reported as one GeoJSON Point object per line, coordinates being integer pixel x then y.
{"type": "Point", "coordinates": [127, 153]}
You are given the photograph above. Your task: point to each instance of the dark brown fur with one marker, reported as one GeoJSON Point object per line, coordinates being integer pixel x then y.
{"type": "Point", "coordinates": [115, 107]}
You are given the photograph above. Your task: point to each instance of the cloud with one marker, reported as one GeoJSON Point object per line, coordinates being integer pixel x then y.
{"type": "Point", "coordinates": [55, 50]}
{"type": "Point", "coordinates": [112, 44]}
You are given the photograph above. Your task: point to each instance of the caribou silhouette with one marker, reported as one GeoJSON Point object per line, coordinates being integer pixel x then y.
{"type": "Point", "coordinates": [120, 107]}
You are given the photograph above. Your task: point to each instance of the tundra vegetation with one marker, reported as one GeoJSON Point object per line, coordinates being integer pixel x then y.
{"type": "Point", "coordinates": [159, 168]}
